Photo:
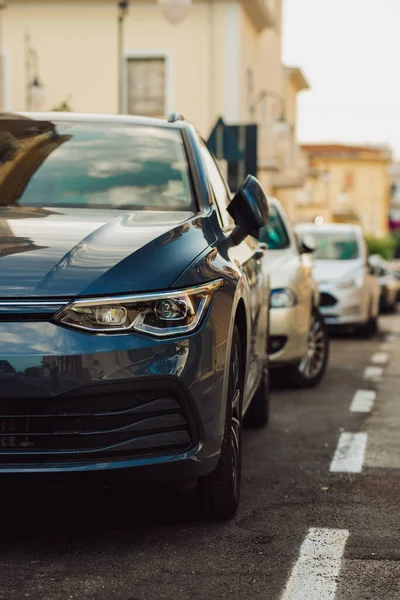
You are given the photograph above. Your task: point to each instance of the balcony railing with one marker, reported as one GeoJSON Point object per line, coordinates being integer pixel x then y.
{"type": "Point", "coordinates": [282, 157]}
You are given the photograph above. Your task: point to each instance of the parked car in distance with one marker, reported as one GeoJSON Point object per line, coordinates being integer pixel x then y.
{"type": "Point", "coordinates": [298, 341]}
{"type": "Point", "coordinates": [395, 269]}
{"type": "Point", "coordinates": [349, 292]}
{"type": "Point", "coordinates": [133, 304]}
{"type": "Point", "coordinates": [388, 282]}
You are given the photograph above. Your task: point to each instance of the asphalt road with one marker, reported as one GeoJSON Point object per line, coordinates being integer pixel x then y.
{"type": "Point", "coordinates": [319, 517]}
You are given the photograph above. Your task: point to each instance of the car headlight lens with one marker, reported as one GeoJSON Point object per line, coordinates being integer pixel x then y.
{"type": "Point", "coordinates": [351, 282]}
{"type": "Point", "coordinates": [160, 314]}
{"type": "Point", "coordinates": [283, 298]}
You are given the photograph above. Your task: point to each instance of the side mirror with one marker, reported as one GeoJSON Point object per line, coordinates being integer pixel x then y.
{"type": "Point", "coordinates": [249, 209]}
{"type": "Point", "coordinates": [373, 264]}
{"type": "Point", "coordinates": [308, 244]}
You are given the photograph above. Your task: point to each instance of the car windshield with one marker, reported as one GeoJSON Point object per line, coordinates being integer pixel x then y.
{"type": "Point", "coordinates": [336, 246]}
{"type": "Point", "coordinates": [93, 165]}
{"type": "Point", "coordinates": [275, 234]}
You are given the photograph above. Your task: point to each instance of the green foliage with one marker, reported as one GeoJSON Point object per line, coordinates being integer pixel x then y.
{"type": "Point", "coordinates": [63, 107]}
{"type": "Point", "coordinates": [384, 246]}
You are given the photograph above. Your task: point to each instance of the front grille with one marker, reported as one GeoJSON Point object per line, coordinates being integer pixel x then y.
{"type": "Point", "coordinates": [106, 421]}
{"type": "Point", "coordinates": [13, 311]}
{"type": "Point", "coordinates": [327, 300]}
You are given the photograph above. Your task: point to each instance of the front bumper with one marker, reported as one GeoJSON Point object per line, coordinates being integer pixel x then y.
{"type": "Point", "coordinates": [342, 307]}
{"type": "Point", "coordinates": [288, 336]}
{"type": "Point", "coordinates": [71, 401]}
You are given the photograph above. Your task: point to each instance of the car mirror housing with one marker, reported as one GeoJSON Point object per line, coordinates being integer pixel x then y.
{"type": "Point", "coordinates": [308, 244]}
{"type": "Point", "coordinates": [249, 209]}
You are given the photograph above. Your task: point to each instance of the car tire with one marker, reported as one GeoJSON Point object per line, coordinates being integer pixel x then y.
{"type": "Point", "coordinates": [219, 492]}
{"type": "Point", "coordinates": [257, 415]}
{"type": "Point", "coordinates": [309, 372]}
{"type": "Point", "coordinates": [370, 328]}
{"type": "Point", "coordinates": [385, 306]}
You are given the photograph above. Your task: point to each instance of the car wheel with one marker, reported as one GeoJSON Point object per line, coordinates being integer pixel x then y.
{"type": "Point", "coordinates": [220, 490]}
{"type": "Point", "coordinates": [370, 328]}
{"type": "Point", "coordinates": [384, 303]}
{"type": "Point", "coordinates": [311, 369]}
{"type": "Point", "coordinates": [257, 415]}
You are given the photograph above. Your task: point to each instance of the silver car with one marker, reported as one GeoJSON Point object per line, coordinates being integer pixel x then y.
{"type": "Point", "coordinates": [349, 291]}
{"type": "Point", "coordinates": [298, 340]}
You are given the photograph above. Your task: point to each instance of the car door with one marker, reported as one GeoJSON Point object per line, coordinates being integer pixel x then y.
{"type": "Point", "coordinates": [248, 256]}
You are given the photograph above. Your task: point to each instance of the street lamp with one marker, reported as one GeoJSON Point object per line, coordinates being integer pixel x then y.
{"type": "Point", "coordinates": [35, 92]}
{"type": "Point", "coordinates": [281, 128]}
{"type": "Point", "coordinates": [175, 10]}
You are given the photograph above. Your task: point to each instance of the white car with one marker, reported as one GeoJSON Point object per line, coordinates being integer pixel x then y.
{"type": "Point", "coordinates": [298, 340]}
{"type": "Point", "coordinates": [388, 283]}
{"type": "Point", "coordinates": [349, 291]}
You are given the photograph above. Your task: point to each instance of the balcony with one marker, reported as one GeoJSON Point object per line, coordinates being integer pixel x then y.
{"type": "Point", "coordinates": [261, 12]}
{"type": "Point", "coordinates": [281, 156]}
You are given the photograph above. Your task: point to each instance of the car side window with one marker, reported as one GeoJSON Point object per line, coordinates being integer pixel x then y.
{"type": "Point", "coordinates": [275, 234]}
{"type": "Point", "coordinates": [219, 187]}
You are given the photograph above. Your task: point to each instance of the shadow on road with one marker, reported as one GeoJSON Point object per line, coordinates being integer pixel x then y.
{"type": "Point", "coordinates": [45, 509]}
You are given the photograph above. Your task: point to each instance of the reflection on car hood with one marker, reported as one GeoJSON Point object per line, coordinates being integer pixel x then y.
{"type": "Point", "coordinates": [68, 252]}
{"type": "Point", "coordinates": [331, 270]}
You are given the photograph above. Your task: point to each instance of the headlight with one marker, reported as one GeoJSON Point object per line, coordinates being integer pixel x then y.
{"type": "Point", "coordinates": [352, 282]}
{"type": "Point", "coordinates": [161, 314]}
{"type": "Point", "coordinates": [283, 298]}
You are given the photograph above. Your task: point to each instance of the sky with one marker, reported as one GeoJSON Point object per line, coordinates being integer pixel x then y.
{"type": "Point", "coordinates": [349, 51]}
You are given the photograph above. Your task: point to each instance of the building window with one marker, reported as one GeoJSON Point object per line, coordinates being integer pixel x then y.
{"type": "Point", "coordinates": [348, 184]}
{"type": "Point", "coordinates": [146, 86]}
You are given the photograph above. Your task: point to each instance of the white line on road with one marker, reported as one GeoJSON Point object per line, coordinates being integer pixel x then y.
{"type": "Point", "coordinates": [315, 574]}
{"type": "Point", "coordinates": [391, 338]}
{"type": "Point", "coordinates": [349, 453]}
{"type": "Point", "coordinates": [384, 347]}
{"type": "Point", "coordinates": [363, 401]}
{"type": "Point", "coordinates": [373, 373]}
{"type": "Point", "coordinates": [380, 358]}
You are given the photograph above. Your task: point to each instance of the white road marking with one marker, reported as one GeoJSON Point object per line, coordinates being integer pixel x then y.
{"type": "Point", "coordinates": [363, 401]}
{"type": "Point", "coordinates": [384, 347]}
{"type": "Point", "coordinates": [391, 338]}
{"type": "Point", "coordinates": [380, 358]}
{"type": "Point", "coordinates": [349, 453]}
{"type": "Point", "coordinates": [315, 574]}
{"type": "Point", "coordinates": [373, 373]}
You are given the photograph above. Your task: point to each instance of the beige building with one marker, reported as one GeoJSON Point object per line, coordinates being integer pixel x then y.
{"type": "Point", "coordinates": [290, 162]}
{"type": "Point", "coordinates": [347, 184]}
{"type": "Point", "coordinates": [222, 60]}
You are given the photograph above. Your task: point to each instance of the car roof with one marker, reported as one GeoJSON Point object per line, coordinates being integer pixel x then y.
{"type": "Point", "coordinates": [329, 227]}
{"type": "Point", "coordinates": [99, 118]}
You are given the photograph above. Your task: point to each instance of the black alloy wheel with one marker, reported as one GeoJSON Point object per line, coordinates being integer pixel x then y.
{"type": "Point", "coordinates": [220, 490]}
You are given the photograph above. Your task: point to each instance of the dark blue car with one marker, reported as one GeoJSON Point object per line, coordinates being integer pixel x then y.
{"type": "Point", "coordinates": [133, 305]}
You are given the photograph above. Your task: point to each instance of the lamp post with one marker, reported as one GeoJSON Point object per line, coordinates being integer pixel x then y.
{"type": "Point", "coordinates": [123, 7]}
{"type": "Point", "coordinates": [35, 93]}
{"type": "Point", "coordinates": [281, 127]}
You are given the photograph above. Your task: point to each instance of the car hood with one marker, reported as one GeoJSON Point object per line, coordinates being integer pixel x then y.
{"type": "Point", "coordinates": [281, 265]}
{"type": "Point", "coordinates": [331, 270]}
{"type": "Point", "coordinates": [70, 252]}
